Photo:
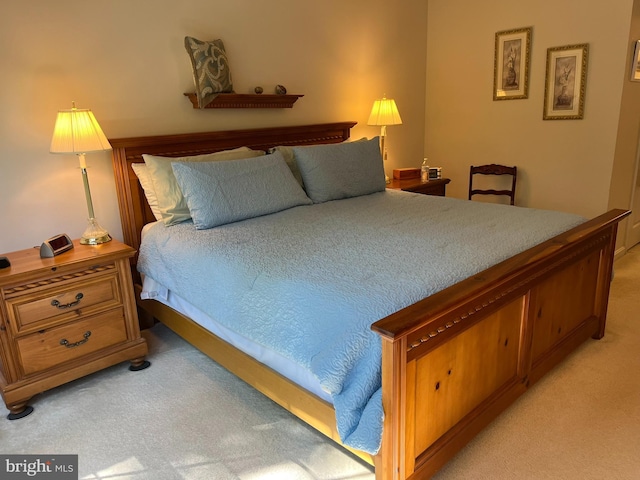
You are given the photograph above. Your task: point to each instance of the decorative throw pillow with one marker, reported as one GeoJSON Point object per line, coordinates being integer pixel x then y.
{"type": "Point", "coordinates": [141, 171]}
{"type": "Point", "coordinates": [341, 170]}
{"type": "Point", "coordinates": [211, 73]}
{"type": "Point", "coordinates": [171, 202]}
{"type": "Point", "coordinates": [224, 192]}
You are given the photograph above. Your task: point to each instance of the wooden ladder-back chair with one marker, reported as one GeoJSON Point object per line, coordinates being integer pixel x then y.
{"type": "Point", "coordinates": [493, 169]}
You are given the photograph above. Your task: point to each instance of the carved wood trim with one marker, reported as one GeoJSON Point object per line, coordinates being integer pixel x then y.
{"type": "Point", "coordinates": [526, 263]}
{"type": "Point", "coordinates": [239, 100]}
{"type": "Point", "coordinates": [509, 290]}
{"type": "Point", "coordinates": [54, 280]}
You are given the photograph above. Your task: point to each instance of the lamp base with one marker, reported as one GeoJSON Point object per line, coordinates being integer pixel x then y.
{"type": "Point", "coordinates": [94, 234]}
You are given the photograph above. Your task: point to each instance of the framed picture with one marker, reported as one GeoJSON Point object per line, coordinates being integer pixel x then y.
{"type": "Point", "coordinates": [565, 82]}
{"type": "Point", "coordinates": [635, 63]}
{"type": "Point", "coordinates": [511, 64]}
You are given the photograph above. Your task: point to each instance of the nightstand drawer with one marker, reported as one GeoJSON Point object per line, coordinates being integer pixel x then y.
{"type": "Point", "coordinates": [49, 307]}
{"type": "Point", "coordinates": [48, 348]}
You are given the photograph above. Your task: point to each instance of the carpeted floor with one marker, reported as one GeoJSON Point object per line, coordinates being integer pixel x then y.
{"type": "Point", "coordinates": [187, 418]}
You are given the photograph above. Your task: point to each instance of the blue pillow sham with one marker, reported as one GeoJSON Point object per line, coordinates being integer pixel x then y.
{"type": "Point", "coordinates": [218, 193]}
{"type": "Point", "coordinates": [341, 170]}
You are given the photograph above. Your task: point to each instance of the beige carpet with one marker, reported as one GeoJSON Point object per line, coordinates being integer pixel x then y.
{"type": "Point", "coordinates": [187, 418]}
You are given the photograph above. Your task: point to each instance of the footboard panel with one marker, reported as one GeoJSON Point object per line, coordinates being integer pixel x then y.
{"type": "Point", "coordinates": [459, 375]}
{"type": "Point", "coordinates": [563, 307]}
{"type": "Point", "coordinates": [456, 360]}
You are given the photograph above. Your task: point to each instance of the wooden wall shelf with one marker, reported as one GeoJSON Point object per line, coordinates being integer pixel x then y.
{"type": "Point", "coordinates": [239, 100]}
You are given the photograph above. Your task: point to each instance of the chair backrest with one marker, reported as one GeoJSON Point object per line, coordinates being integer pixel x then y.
{"type": "Point", "coordinates": [493, 169]}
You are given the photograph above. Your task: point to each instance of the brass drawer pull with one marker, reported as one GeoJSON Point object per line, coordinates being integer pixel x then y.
{"type": "Point", "coordinates": [66, 343]}
{"type": "Point", "coordinates": [57, 304]}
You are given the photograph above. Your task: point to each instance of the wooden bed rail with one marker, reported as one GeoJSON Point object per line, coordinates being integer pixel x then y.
{"type": "Point", "coordinates": [538, 260]}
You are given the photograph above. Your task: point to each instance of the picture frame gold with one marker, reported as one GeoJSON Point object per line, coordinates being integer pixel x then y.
{"type": "Point", "coordinates": [511, 61]}
{"type": "Point", "coordinates": [635, 63]}
{"type": "Point", "coordinates": [566, 82]}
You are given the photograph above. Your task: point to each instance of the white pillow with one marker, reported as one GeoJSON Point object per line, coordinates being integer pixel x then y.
{"type": "Point", "coordinates": [140, 169]}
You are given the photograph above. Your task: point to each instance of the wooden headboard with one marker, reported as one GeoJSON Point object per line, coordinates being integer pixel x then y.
{"type": "Point", "coordinates": [134, 209]}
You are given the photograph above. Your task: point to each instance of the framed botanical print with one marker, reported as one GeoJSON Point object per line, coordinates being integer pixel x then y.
{"type": "Point", "coordinates": [511, 64]}
{"type": "Point", "coordinates": [565, 83]}
{"type": "Point", "coordinates": [635, 63]}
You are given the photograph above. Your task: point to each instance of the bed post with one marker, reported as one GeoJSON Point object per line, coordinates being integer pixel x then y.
{"type": "Point", "coordinates": [388, 462]}
{"type": "Point", "coordinates": [125, 198]}
{"type": "Point", "coordinates": [605, 276]}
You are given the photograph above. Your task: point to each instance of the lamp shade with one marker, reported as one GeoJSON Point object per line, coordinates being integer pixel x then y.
{"type": "Point", "coordinates": [77, 131]}
{"type": "Point", "coordinates": [384, 112]}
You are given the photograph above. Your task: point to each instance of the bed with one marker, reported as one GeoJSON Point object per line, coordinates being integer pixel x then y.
{"type": "Point", "coordinates": [450, 362]}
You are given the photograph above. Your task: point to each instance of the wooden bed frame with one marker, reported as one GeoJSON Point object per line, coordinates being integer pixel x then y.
{"type": "Point", "coordinates": [452, 362]}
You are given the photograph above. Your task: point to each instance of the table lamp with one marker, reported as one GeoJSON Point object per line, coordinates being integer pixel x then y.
{"type": "Point", "coordinates": [78, 132]}
{"type": "Point", "coordinates": [383, 113]}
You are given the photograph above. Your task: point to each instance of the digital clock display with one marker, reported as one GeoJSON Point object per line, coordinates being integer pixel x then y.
{"type": "Point", "coordinates": [58, 242]}
{"type": "Point", "coordinates": [55, 245]}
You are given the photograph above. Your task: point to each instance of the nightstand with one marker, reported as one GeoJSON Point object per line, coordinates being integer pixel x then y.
{"type": "Point", "coordinates": [65, 317]}
{"type": "Point", "coordinates": [416, 185]}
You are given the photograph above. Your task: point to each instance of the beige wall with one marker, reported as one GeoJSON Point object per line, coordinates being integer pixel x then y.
{"type": "Point", "coordinates": [126, 61]}
{"type": "Point", "coordinates": [563, 164]}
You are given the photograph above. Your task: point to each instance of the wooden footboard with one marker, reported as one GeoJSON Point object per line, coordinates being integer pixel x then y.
{"type": "Point", "coordinates": [454, 361]}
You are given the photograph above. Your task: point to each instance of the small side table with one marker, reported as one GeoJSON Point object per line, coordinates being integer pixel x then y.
{"type": "Point", "coordinates": [432, 187]}
{"type": "Point", "coordinates": [65, 317]}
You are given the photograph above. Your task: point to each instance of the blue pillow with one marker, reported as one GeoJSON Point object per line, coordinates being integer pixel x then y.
{"type": "Point", "coordinates": [341, 170]}
{"type": "Point", "coordinates": [224, 192]}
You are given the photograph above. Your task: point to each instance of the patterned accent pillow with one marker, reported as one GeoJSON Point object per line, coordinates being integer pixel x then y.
{"type": "Point", "coordinates": [211, 73]}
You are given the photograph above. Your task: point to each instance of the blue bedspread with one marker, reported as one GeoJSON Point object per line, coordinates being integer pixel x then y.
{"type": "Point", "coordinates": [308, 282]}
